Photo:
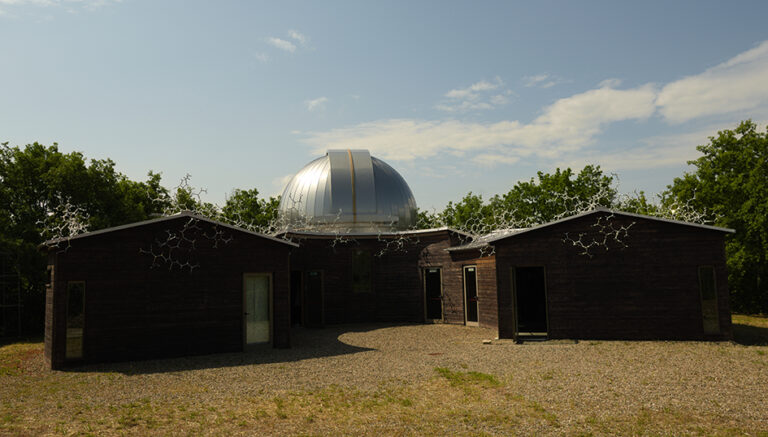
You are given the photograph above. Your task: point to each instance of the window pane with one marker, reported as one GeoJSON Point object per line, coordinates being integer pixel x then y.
{"type": "Point", "coordinates": [361, 271]}
{"type": "Point", "coordinates": [708, 300]}
{"type": "Point", "coordinates": [257, 308]}
{"type": "Point", "coordinates": [75, 319]}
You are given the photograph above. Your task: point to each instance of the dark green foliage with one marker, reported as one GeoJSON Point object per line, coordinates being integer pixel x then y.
{"type": "Point", "coordinates": [637, 203]}
{"type": "Point", "coordinates": [731, 181]}
{"type": "Point", "coordinates": [36, 179]}
{"type": "Point", "coordinates": [547, 198]}
{"type": "Point", "coordinates": [245, 208]}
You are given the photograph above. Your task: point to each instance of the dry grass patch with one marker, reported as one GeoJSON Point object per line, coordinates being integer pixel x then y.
{"type": "Point", "coordinates": [402, 380]}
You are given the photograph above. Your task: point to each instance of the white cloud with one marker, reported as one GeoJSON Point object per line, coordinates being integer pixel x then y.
{"type": "Point", "coordinates": [291, 46]}
{"type": "Point", "coordinates": [576, 120]}
{"type": "Point", "coordinates": [300, 38]}
{"type": "Point", "coordinates": [282, 44]}
{"type": "Point", "coordinates": [463, 106]}
{"type": "Point", "coordinates": [568, 125]}
{"type": "Point", "coordinates": [475, 97]}
{"type": "Point", "coordinates": [315, 104]}
{"type": "Point", "coordinates": [737, 84]}
{"type": "Point", "coordinates": [471, 91]}
{"type": "Point", "coordinates": [261, 57]}
{"type": "Point", "coordinates": [542, 81]}
{"type": "Point", "coordinates": [494, 159]}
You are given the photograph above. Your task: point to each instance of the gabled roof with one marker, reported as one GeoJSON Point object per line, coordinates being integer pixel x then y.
{"type": "Point", "coordinates": [163, 219]}
{"type": "Point", "coordinates": [327, 234]}
{"type": "Point", "coordinates": [494, 236]}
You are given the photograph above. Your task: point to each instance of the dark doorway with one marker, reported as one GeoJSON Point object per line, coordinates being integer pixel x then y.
{"type": "Point", "coordinates": [433, 294]}
{"type": "Point", "coordinates": [296, 298]}
{"type": "Point", "coordinates": [530, 300]}
{"type": "Point", "coordinates": [470, 295]}
{"type": "Point", "coordinates": [313, 299]}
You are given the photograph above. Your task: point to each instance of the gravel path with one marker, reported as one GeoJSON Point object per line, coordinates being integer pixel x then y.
{"type": "Point", "coordinates": [577, 381]}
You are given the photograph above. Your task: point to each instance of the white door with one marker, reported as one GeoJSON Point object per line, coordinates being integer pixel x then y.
{"type": "Point", "coordinates": [257, 307]}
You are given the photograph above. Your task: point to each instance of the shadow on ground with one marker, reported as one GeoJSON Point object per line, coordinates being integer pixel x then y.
{"type": "Point", "coordinates": [306, 343]}
{"type": "Point", "coordinates": [749, 335]}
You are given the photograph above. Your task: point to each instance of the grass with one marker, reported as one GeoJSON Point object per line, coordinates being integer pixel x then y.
{"type": "Point", "coordinates": [14, 356]}
{"type": "Point", "coordinates": [458, 397]}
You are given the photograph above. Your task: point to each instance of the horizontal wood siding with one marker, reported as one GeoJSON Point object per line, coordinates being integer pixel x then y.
{"type": "Point", "coordinates": [134, 310]}
{"type": "Point", "coordinates": [648, 290]}
{"type": "Point", "coordinates": [487, 302]}
{"type": "Point", "coordinates": [397, 293]}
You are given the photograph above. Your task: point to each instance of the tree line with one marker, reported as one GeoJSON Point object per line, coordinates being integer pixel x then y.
{"type": "Point", "coordinates": [728, 187]}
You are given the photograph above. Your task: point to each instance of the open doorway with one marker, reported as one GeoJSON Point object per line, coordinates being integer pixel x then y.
{"type": "Point", "coordinates": [471, 315]}
{"type": "Point", "coordinates": [296, 298]}
{"type": "Point", "coordinates": [530, 297]}
{"type": "Point", "coordinates": [313, 299]}
{"type": "Point", "coordinates": [433, 294]}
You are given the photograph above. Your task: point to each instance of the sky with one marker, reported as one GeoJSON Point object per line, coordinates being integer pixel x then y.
{"type": "Point", "coordinates": [456, 96]}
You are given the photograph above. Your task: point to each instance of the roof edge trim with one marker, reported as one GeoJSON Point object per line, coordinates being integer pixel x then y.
{"type": "Point", "coordinates": [49, 243]}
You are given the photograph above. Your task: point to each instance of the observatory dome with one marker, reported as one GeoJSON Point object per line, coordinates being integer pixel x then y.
{"type": "Point", "coordinates": [348, 191]}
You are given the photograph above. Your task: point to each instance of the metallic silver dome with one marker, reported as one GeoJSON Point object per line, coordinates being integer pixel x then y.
{"type": "Point", "coordinates": [348, 191]}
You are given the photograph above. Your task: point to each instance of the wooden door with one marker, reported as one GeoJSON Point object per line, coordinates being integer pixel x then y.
{"type": "Point", "coordinates": [433, 294]}
{"type": "Point", "coordinates": [471, 314]}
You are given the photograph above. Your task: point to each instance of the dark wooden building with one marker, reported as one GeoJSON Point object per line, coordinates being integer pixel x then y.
{"type": "Point", "coordinates": [186, 285]}
{"type": "Point", "coordinates": [609, 275]}
{"type": "Point", "coordinates": [179, 285]}
{"type": "Point", "coordinates": [387, 277]}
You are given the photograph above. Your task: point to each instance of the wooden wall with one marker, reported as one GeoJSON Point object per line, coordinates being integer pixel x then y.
{"type": "Point", "coordinates": [135, 311]}
{"type": "Point", "coordinates": [486, 286]}
{"type": "Point", "coordinates": [648, 290]}
{"type": "Point", "coordinates": [397, 293]}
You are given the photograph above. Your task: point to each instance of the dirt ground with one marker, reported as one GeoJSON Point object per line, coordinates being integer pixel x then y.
{"type": "Point", "coordinates": [403, 380]}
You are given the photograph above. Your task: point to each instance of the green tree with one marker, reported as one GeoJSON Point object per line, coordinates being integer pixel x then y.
{"type": "Point", "coordinates": [428, 220]}
{"type": "Point", "coordinates": [548, 197]}
{"type": "Point", "coordinates": [556, 195]}
{"type": "Point", "coordinates": [470, 213]}
{"type": "Point", "coordinates": [36, 179]}
{"type": "Point", "coordinates": [246, 208]}
{"type": "Point", "coordinates": [638, 203]}
{"type": "Point", "coordinates": [731, 182]}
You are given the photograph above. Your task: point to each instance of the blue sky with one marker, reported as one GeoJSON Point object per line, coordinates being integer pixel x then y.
{"type": "Point", "coordinates": [457, 96]}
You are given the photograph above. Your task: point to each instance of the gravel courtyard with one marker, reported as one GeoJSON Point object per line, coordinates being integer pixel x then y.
{"type": "Point", "coordinates": [402, 380]}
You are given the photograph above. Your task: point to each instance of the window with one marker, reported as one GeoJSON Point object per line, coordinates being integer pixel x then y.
{"type": "Point", "coordinates": [708, 289]}
{"type": "Point", "coordinates": [361, 271]}
{"type": "Point", "coordinates": [75, 320]}
{"type": "Point", "coordinates": [258, 307]}
{"type": "Point", "coordinates": [49, 277]}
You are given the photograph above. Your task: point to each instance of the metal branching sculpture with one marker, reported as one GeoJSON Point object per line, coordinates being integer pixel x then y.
{"type": "Point", "coordinates": [176, 249]}
{"type": "Point", "coordinates": [62, 222]}
{"type": "Point", "coordinates": [606, 233]}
